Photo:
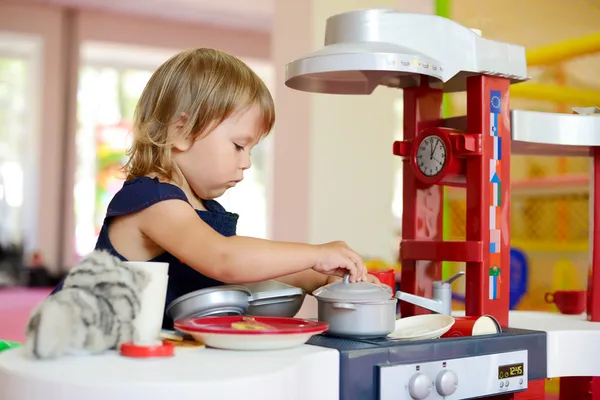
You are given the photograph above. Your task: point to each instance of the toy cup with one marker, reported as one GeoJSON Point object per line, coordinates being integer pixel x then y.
{"type": "Point", "coordinates": [149, 321]}
{"type": "Point", "coordinates": [473, 326]}
{"type": "Point", "coordinates": [571, 302]}
{"type": "Point", "coordinates": [386, 277]}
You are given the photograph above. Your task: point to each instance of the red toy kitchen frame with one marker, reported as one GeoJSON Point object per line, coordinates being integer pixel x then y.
{"type": "Point", "coordinates": [479, 161]}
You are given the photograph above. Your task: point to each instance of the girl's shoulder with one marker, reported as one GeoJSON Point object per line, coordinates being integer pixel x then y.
{"type": "Point", "coordinates": [140, 193]}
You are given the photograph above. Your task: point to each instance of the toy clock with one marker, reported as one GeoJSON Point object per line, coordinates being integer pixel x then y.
{"type": "Point", "coordinates": [436, 156]}
{"type": "Point", "coordinates": [430, 155]}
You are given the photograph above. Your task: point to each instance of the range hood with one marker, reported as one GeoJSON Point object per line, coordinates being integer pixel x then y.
{"type": "Point", "coordinates": [367, 48]}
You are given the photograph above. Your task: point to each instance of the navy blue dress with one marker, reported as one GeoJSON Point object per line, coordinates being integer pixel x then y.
{"type": "Point", "coordinates": [141, 193]}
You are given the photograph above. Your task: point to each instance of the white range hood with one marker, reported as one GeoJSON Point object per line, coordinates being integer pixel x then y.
{"type": "Point", "coordinates": [367, 48]}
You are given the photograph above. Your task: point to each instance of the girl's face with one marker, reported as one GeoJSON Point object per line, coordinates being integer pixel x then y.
{"type": "Point", "coordinates": [216, 162]}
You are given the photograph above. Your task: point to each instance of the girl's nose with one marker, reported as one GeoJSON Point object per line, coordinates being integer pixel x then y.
{"type": "Point", "coordinates": [246, 162]}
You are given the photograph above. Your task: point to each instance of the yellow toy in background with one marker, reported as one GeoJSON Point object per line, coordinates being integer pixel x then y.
{"type": "Point", "coordinates": [565, 276]}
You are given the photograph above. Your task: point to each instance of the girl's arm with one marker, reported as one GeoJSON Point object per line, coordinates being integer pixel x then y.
{"type": "Point", "coordinates": [175, 227]}
{"type": "Point", "coordinates": [309, 280]}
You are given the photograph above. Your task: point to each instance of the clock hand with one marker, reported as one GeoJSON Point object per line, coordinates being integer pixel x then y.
{"type": "Point", "coordinates": [433, 151]}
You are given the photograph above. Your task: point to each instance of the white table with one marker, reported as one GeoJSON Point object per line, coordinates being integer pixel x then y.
{"type": "Point", "coordinates": [303, 373]}
{"type": "Point", "coordinates": [572, 341]}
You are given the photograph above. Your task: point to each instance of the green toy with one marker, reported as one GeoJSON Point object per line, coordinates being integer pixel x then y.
{"type": "Point", "coordinates": [7, 344]}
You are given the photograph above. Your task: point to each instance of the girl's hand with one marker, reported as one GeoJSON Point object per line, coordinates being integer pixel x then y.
{"type": "Point", "coordinates": [336, 258]}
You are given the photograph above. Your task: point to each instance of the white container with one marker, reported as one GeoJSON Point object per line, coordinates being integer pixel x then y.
{"type": "Point", "coordinates": [149, 321]}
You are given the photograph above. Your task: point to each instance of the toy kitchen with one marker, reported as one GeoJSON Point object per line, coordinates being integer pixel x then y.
{"type": "Point", "coordinates": [427, 56]}
{"type": "Point", "coordinates": [433, 352]}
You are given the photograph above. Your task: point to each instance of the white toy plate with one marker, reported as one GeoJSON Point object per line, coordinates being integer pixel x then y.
{"type": "Point", "coordinates": [422, 327]}
{"type": "Point", "coordinates": [245, 342]}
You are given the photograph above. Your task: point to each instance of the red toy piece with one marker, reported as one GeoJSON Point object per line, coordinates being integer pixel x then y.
{"type": "Point", "coordinates": [164, 349]}
{"type": "Point", "coordinates": [593, 304]}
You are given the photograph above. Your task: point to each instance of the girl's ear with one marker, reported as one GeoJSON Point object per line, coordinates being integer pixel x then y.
{"type": "Point", "coordinates": [180, 141]}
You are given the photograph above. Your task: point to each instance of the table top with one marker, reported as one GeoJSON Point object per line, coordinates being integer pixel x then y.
{"type": "Point", "coordinates": [220, 373]}
{"type": "Point", "coordinates": [571, 341]}
{"type": "Point", "coordinates": [551, 322]}
{"type": "Point", "coordinates": [264, 375]}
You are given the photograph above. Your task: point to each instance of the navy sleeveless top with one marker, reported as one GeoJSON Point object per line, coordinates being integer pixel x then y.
{"type": "Point", "coordinates": [140, 193]}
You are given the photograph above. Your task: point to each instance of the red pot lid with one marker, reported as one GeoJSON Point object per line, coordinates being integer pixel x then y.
{"type": "Point", "coordinates": [240, 325]}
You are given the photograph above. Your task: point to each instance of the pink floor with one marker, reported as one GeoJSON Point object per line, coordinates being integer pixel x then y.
{"type": "Point", "coordinates": [15, 307]}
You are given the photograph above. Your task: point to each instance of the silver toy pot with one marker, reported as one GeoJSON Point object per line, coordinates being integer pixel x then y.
{"type": "Point", "coordinates": [358, 310]}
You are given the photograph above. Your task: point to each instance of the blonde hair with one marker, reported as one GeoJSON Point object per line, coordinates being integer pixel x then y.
{"type": "Point", "coordinates": [206, 84]}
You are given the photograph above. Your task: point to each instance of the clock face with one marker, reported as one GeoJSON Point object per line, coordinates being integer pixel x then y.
{"type": "Point", "coordinates": [431, 155]}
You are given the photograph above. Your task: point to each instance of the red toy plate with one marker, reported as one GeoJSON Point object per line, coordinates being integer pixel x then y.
{"type": "Point", "coordinates": [240, 325]}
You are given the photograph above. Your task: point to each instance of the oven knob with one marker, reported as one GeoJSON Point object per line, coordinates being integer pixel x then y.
{"type": "Point", "coordinates": [419, 386]}
{"type": "Point", "coordinates": [446, 382]}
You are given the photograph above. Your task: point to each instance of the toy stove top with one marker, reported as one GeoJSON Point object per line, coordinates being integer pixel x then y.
{"type": "Point", "coordinates": [449, 368]}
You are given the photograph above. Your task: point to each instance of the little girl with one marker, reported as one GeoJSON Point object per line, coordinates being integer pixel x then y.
{"type": "Point", "coordinates": [195, 124]}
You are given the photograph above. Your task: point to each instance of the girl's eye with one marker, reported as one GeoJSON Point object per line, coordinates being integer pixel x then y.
{"type": "Point", "coordinates": [238, 147]}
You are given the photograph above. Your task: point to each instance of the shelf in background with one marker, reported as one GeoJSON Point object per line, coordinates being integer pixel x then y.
{"type": "Point", "coordinates": [550, 247]}
{"type": "Point", "coordinates": [556, 185]}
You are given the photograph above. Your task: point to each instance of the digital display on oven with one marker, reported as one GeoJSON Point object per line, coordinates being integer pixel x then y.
{"type": "Point", "coordinates": [511, 370]}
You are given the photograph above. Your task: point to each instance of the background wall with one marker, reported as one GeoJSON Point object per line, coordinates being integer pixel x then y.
{"type": "Point", "coordinates": [62, 32]}
{"type": "Point", "coordinates": [244, 29]}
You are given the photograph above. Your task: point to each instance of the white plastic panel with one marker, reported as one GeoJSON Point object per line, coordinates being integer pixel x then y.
{"type": "Point", "coordinates": [542, 133]}
{"type": "Point", "coordinates": [477, 376]}
{"type": "Point", "coordinates": [354, 39]}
